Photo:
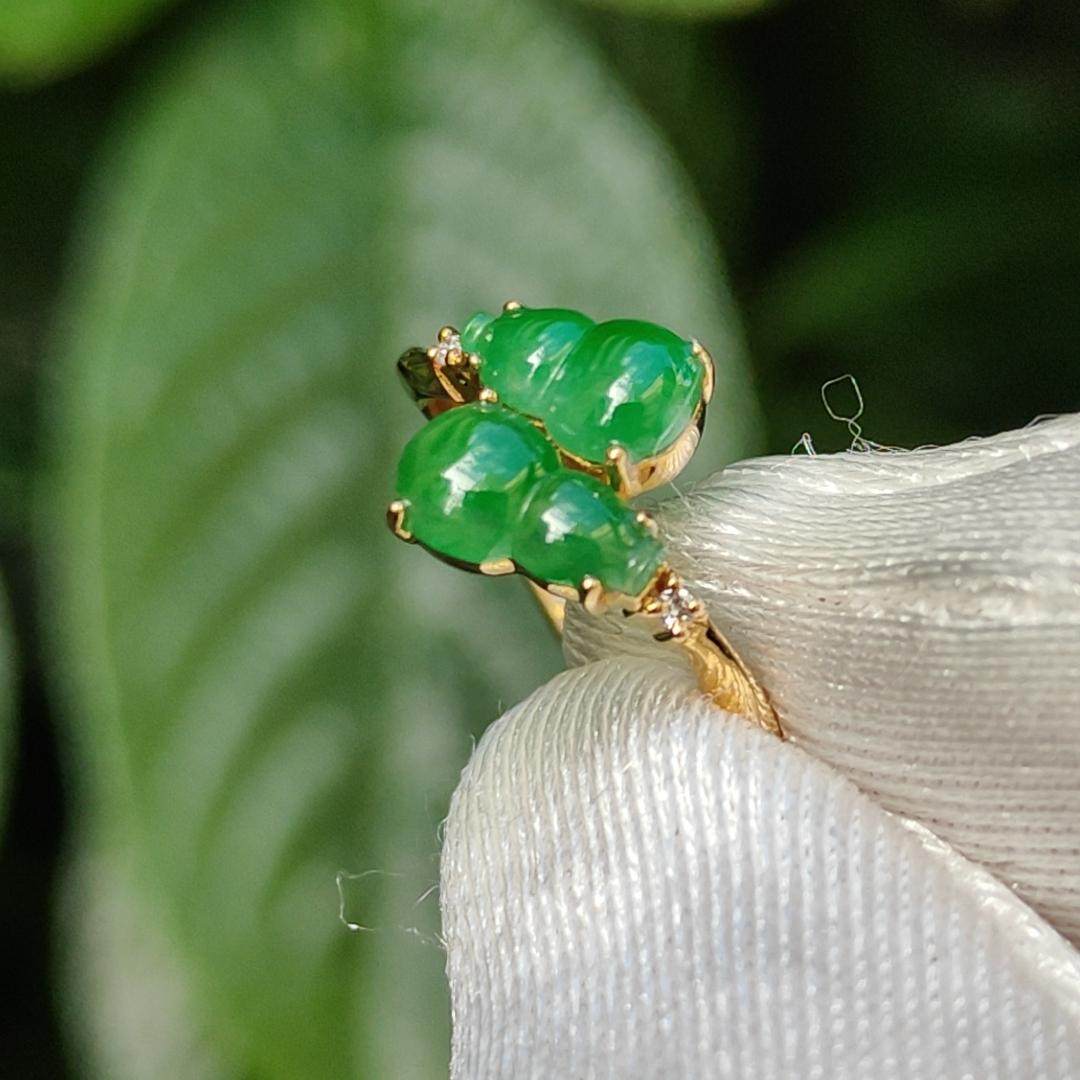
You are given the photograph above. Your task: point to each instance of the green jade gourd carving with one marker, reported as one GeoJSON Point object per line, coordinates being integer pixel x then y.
{"type": "Point", "coordinates": [543, 422]}
{"type": "Point", "coordinates": [482, 485]}
{"type": "Point", "coordinates": [593, 385]}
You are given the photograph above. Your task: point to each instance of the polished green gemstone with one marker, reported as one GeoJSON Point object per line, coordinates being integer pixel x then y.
{"type": "Point", "coordinates": [467, 477]}
{"type": "Point", "coordinates": [627, 382]}
{"type": "Point", "coordinates": [521, 351]}
{"type": "Point", "coordinates": [575, 526]}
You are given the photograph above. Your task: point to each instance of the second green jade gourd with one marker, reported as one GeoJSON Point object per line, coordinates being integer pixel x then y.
{"type": "Point", "coordinates": [519, 477]}
{"type": "Point", "coordinates": [593, 385]}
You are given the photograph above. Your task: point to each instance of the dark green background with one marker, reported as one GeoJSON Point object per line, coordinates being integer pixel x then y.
{"type": "Point", "coordinates": [895, 191]}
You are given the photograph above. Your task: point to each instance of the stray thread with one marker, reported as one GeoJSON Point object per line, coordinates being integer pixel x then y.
{"type": "Point", "coordinates": [852, 421]}
{"type": "Point", "coordinates": [1041, 419]}
{"type": "Point", "coordinates": [341, 878]}
{"type": "Point", "coordinates": [858, 443]}
{"type": "Point", "coordinates": [433, 887]}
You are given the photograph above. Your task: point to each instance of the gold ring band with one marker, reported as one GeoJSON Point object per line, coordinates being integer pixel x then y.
{"type": "Point", "coordinates": [543, 423]}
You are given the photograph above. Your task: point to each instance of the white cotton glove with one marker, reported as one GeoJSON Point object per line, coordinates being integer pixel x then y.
{"type": "Point", "coordinates": [637, 885]}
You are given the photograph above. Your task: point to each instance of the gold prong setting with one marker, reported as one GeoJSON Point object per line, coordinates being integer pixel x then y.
{"type": "Point", "coordinates": [708, 384]}
{"type": "Point", "coordinates": [593, 596]}
{"type": "Point", "coordinates": [643, 517]}
{"type": "Point", "coordinates": [680, 611]}
{"type": "Point", "coordinates": [497, 567]}
{"type": "Point", "coordinates": [722, 675]}
{"type": "Point", "coordinates": [395, 518]}
{"type": "Point", "coordinates": [446, 352]}
{"type": "Point", "coordinates": [674, 607]}
{"type": "Point", "coordinates": [626, 479]}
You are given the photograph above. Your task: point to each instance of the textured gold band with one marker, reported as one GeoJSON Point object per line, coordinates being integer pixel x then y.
{"type": "Point", "coordinates": [720, 671]}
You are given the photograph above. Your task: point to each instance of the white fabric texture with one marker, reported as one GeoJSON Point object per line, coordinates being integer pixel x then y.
{"type": "Point", "coordinates": [916, 620]}
{"type": "Point", "coordinates": [636, 885]}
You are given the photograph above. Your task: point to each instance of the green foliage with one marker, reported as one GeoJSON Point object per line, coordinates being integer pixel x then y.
{"type": "Point", "coordinates": [133, 1009]}
{"type": "Point", "coordinates": [272, 687]}
{"type": "Point", "coordinates": [40, 39]}
{"type": "Point", "coordinates": [684, 9]}
{"type": "Point", "coordinates": [262, 686]}
{"type": "Point", "coordinates": [940, 262]}
{"type": "Point", "coordinates": [7, 704]}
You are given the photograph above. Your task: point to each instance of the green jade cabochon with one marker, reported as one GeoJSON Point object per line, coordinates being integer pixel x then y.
{"type": "Point", "coordinates": [482, 483]}
{"type": "Point", "coordinates": [467, 477]}
{"type": "Point", "coordinates": [591, 384]}
{"type": "Point", "coordinates": [574, 526]}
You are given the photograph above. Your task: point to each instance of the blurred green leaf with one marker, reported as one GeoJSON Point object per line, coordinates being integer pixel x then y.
{"type": "Point", "coordinates": [688, 85]}
{"type": "Point", "coordinates": [926, 219]}
{"type": "Point", "coordinates": [274, 688]}
{"type": "Point", "coordinates": [7, 703]}
{"type": "Point", "coordinates": [934, 307]}
{"type": "Point", "coordinates": [40, 39]}
{"type": "Point", "coordinates": [684, 9]}
{"type": "Point", "coordinates": [873, 267]}
{"type": "Point", "coordinates": [121, 978]}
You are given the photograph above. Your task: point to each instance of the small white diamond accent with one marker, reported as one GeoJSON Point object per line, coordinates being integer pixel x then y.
{"type": "Point", "coordinates": [678, 608]}
{"type": "Point", "coordinates": [445, 349]}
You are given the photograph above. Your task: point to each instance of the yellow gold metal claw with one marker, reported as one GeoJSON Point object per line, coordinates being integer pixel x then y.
{"type": "Point", "coordinates": [709, 383]}
{"type": "Point", "coordinates": [593, 596]}
{"type": "Point", "coordinates": [724, 677]}
{"type": "Point", "coordinates": [497, 567]}
{"type": "Point", "coordinates": [721, 672]}
{"type": "Point", "coordinates": [395, 518]}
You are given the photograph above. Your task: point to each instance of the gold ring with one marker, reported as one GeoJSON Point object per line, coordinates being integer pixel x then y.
{"type": "Point", "coordinates": [544, 424]}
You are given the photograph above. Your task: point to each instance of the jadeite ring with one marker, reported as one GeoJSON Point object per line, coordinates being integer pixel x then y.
{"type": "Point", "coordinates": [544, 424]}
